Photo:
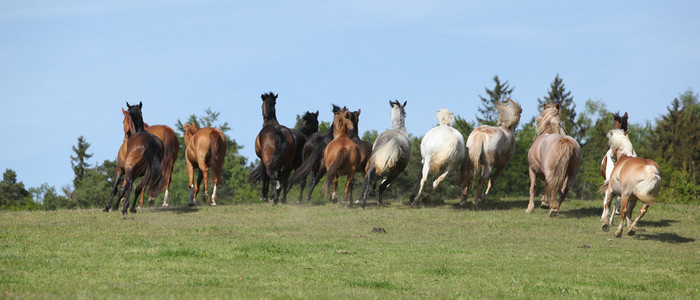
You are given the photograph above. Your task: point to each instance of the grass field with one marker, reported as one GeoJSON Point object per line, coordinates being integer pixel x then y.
{"type": "Point", "coordinates": [329, 251]}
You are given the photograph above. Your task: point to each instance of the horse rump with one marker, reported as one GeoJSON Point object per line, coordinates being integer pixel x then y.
{"type": "Point", "coordinates": [647, 184]}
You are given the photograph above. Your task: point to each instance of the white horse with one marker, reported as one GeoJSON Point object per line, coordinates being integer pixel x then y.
{"type": "Point", "coordinates": [491, 147]}
{"type": "Point", "coordinates": [607, 165]}
{"type": "Point", "coordinates": [442, 146]}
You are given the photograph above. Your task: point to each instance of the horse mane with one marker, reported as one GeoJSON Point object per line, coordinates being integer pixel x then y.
{"type": "Point", "coordinates": [618, 140]}
{"type": "Point", "coordinates": [445, 117]}
{"type": "Point", "coordinates": [509, 113]}
{"type": "Point", "coordinates": [342, 122]}
{"type": "Point", "coordinates": [549, 121]}
{"type": "Point", "coordinates": [136, 118]}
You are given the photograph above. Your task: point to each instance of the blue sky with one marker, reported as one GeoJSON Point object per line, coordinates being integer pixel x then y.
{"type": "Point", "coordinates": [67, 67]}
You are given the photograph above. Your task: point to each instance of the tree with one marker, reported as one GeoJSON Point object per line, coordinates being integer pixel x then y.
{"type": "Point", "coordinates": [78, 162]}
{"type": "Point", "coordinates": [48, 198]}
{"type": "Point", "coordinates": [487, 113]}
{"type": "Point", "coordinates": [12, 193]}
{"type": "Point", "coordinates": [567, 112]}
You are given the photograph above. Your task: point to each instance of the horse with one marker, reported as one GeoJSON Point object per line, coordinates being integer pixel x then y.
{"type": "Point", "coordinates": [205, 149]}
{"type": "Point", "coordinates": [492, 148]}
{"type": "Point", "coordinates": [300, 137]}
{"type": "Point", "coordinates": [391, 152]}
{"type": "Point", "coordinates": [142, 158]}
{"type": "Point", "coordinates": [275, 147]}
{"type": "Point", "coordinates": [442, 148]}
{"type": "Point", "coordinates": [553, 155]}
{"type": "Point", "coordinates": [365, 146]}
{"type": "Point", "coordinates": [607, 165]}
{"type": "Point", "coordinates": [342, 156]}
{"type": "Point", "coordinates": [632, 178]}
{"type": "Point", "coordinates": [312, 155]}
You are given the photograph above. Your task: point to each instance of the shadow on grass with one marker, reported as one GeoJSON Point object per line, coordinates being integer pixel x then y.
{"type": "Point", "coordinates": [583, 212]}
{"type": "Point", "coordinates": [665, 237]}
{"type": "Point", "coordinates": [659, 223]}
{"type": "Point", "coordinates": [178, 209]}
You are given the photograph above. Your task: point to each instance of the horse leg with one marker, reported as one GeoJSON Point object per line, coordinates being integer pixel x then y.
{"type": "Point", "coordinates": [485, 173]}
{"type": "Point", "coordinates": [265, 188]}
{"type": "Point", "coordinates": [197, 186]}
{"type": "Point", "coordinates": [204, 175]}
{"type": "Point", "coordinates": [617, 206]}
{"type": "Point", "coordinates": [606, 218]}
{"type": "Point", "coordinates": [138, 192]}
{"type": "Point", "coordinates": [623, 214]}
{"type": "Point", "coordinates": [642, 212]}
{"type": "Point", "coordinates": [424, 179]}
{"type": "Point", "coordinates": [167, 194]}
{"type": "Point", "coordinates": [557, 205]}
{"type": "Point", "coordinates": [533, 180]}
{"type": "Point", "coordinates": [348, 188]}
{"type": "Point", "coordinates": [302, 185]}
{"type": "Point", "coordinates": [497, 172]}
{"type": "Point", "coordinates": [213, 192]}
{"type": "Point", "coordinates": [118, 178]}
{"type": "Point", "coordinates": [365, 185]}
{"type": "Point", "coordinates": [436, 183]}
{"type": "Point", "coordinates": [284, 183]}
{"type": "Point", "coordinates": [385, 183]}
{"type": "Point", "coordinates": [334, 193]}
{"type": "Point", "coordinates": [126, 191]}
{"type": "Point", "coordinates": [315, 178]}
{"type": "Point", "coordinates": [190, 175]}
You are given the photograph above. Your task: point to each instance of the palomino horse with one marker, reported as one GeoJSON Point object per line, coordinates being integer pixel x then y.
{"type": "Point", "coordinates": [274, 145]}
{"type": "Point", "coordinates": [143, 157]}
{"type": "Point", "coordinates": [442, 148]}
{"type": "Point", "coordinates": [313, 158]}
{"type": "Point", "coordinates": [206, 148]}
{"type": "Point", "coordinates": [390, 153]}
{"type": "Point", "coordinates": [300, 137]}
{"type": "Point", "coordinates": [633, 178]}
{"type": "Point", "coordinates": [607, 165]}
{"type": "Point", "coordinates": [553, 155]}
{"type": "Point", "coordinates": [492, 148]}
{"type": "Point", "coordinates": [342, 156]}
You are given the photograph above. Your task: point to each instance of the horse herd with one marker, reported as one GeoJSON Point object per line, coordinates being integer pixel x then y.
{"type": "Point", "coordinates": [150, 151]}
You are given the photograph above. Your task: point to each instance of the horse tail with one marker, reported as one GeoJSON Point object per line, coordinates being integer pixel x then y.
{"type": "Point", "coordinates": [475, 150]}
{"type": "Point", "coordinates": [308, 164]}
{"type": "Point", "coordinates": [647, 184]}
{"type": "Point", "coordinates": [386, 156]}
{"type": "Point", "coordinates": [277, 160]}
{"type": "Point", "coordinates": [217, 153]}
{"type": "Point", "coordinates": [565, 151]}
{"type": "Point", "coordinates": [339, 161]}
{"type": "Point", "coordinates": [446, 153]}
{"type": "Point", "coordinates": [466, 172]}
{"type": "Point", "coordinates": [257, 175]}
{"type": "Point", "coordinates": [604, 187]}
{"type": "Point", "coordinates": [154, 176]}
{"type": "Point", "coordinates": [171, 147]}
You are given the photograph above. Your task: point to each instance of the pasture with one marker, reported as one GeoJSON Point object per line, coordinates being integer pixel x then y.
{"type": "Point", "coordinates": [330, 251]}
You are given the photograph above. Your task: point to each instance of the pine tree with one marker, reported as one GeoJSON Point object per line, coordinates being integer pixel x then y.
{"type": "Point", "coordinates": [78, 162]}
{"type": "Point", "coordinates": [567, 112]}
{"type": "Point", "coordinates": [12, 193]}
{"type": "Point", "coordinates": [487, 113]}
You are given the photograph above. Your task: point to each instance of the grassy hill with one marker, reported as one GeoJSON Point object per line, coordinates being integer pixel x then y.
{"type": "Point", "coordinates": [329, 251]}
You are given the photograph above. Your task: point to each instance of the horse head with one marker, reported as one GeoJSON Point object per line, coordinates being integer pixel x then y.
{"type": "Point", "coordinates": [621, 121]}
{"type": "Point", "coordinates": [342, 121]}
{"type": "Point", "coordinates": [398, 113]}
{"type": "Point", "coordinates": [190, 130]}
{"type": "Point", "coordinates": [310, 121]}
{"type": "Point", "coordinates": [268, 106]}
{"type": "Point", "coordinates": [548, 121]}
{"type": "Point", "coordinates": [135, 117]}
{"type": "Point", "coordinates": [127, 125]}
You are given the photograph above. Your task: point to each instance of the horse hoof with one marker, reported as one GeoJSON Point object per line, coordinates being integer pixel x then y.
{"type": "Point", "coordinates": [133, 211]}
{"type": "Point", "coordinates": [165, 204]}
{"type": "Point", "coordinates": [544, 205]}
{"type": "Point", "coordinates": [631, 232]}
{"type": "Point", "coordinates": [618, 233]}
{"type": "Point", "coordinates": [606, 227]}
{"type": "Point", "coordinates": [151, 202]}
{"type": "Point", "coordinates": [191, 204]}
{"type": "Point", "coordinates": [213, 204]}
{"type": "Point", "coordinates": [553, 213]}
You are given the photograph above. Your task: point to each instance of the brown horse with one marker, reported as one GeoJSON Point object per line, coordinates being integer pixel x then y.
{"type": "Point", "coordinates": [342, 156]}
{"type": "Point", "coordinates": [206, 148]}
{"type": "Point", "coordinates": [143, 157]}
{"type": "Point", "coordinates": [491, 147]}
{"type": "Point", "coordinates": [632, 178]}
{"type": "Point", "coordinates": [275, 147]}
{"type": "Point", "coordinates": [171, 147]}
{"type": "Point", "coordinates": [553, 155]}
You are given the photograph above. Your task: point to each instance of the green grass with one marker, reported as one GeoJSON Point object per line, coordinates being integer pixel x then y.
{"type": "Point", "coordinates": [328, 251]}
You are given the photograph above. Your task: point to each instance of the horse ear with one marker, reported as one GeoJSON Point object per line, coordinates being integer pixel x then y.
{"type": "Point", "coordinates": [140, 104]}
{"type": "Point", "coordinates": [336, 108]}
{"type": "Point", "coordinates": [127, 105]}
{"type": "Point", "coordinates": [625, 116]}
{"type": "Point", "coordinates": [404, 103]}
{"type": "Point", "coordinates": [124, 112]}
{"type": "Point", "coordinates": [558, 106]}
{"type": "Point", "coordinates": [316, 113]}
{"type": "Point", "coordinates": [358, 112]}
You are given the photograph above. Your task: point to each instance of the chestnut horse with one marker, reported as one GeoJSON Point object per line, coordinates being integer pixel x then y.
{"type": "Point", "coordinates": [391, 153]}
{"type": "Point", "coordinates": [342, 156]}
{"type": "Point", "coordinates": [553, 155]}
{"type": "Point", "coordinates": [171, 147]}
{"type": "Point", "coordinates": [607, 165]}
{"type": "Point", "coordinates": [143, 157]}
{"type": "Point", "coordinates": [274, 145]}
{"type": "Point", "coordinates": [632, 178]}
{"type": "Point", "coordinates": [301, 136]}
{"type": "Point", "coordinates": [491, 147]}
{"type": "Point", "coordinates": [206, 148]}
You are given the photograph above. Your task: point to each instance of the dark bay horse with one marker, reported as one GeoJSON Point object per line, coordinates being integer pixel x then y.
{"type": "Point", "coordinates": [632, 178]}
{"type": "Point", "coordinates": [171, 147]}
{"type": "Point", "coordinates": [206, 149]}
{"type": "Point", "coordinates": [275, 147]}
{"type": "Point", "coordinates": [342, 156]}
{"type": "Point", "coordinates": [142, 158]}
{"type": "Point", "coordinates": [391, 152]}
{"type": "Point", "coordinates": [312, 155]}
{"type": "Point", "coordinates": [554, 156]}
{"type": "Point", "coordinates": [301, 136]}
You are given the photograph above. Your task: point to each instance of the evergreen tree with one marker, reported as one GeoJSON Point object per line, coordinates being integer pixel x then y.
{"type": "Point", "coordinates": [78, 162]}
{"type": "Point", "coordinates": [567, 113]}
{"type": "Point", "coordinates": [487, 113]}
{"type": "Point", "coordinates": [12, 193]}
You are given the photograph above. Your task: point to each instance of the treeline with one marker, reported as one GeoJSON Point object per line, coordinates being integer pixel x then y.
{"type": "Point", "coordinates": [672, 141]}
